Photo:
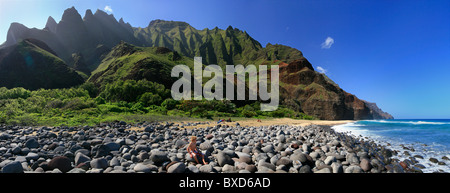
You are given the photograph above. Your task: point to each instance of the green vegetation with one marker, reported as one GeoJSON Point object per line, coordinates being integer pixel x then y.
{"type": "Point", "coordinates": [130, 100]}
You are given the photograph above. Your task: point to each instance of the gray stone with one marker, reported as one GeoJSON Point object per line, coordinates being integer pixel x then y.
{"type": "Point", "coordinates": [77, 170]}
{"type": "Point", "coordinates": [314, 155]}
{"type": "Point", "coordinates": [353, 169]}
{"type": "Point", "coordinates": [241, 154]}
{"type": "Point", "coordinates": [251, 168]}
{"type": "Point", "coordinates": [113, 146]}
{"type": "Point", "coordinates": [223, 159]}
{"type": "Point", "coordinates": [126, 156]}
{"type": "Point", "coordinates": [83, 151]}
{"type": "Point", "coordinates": [179, 167]}
{"type": "Point", "coordinates": [329, 160]}
{"type": "Point", "coordinates": [365, 165]}
{"type": "Point", "coordinates": [264, 170]}
{"type": "Point", "coordinates": [114, 162]}
{"type": "Point", "coordinates": [228, 169]}
{"type": "Point", "coordinates": [32, 156]}
{"type": "Point", "coordinates": [142, 147]}
{"type": "Point", "coordinates": [281, 138]}
{"type": "Point", "coordinates": [337, 167]}
{"type": "Point", "coordinates": [56, 171]}
{"type": "Point", "coordinates": [149, 129]}
{"type": "Point", "coordinates": [32, 143]}
{"type": "Point", "coordinates": [5, 162]}
{"type": "Point", "coordinates": [306, 148]}
{"type": "Point", "coordinates": [59, 149]}
{"type": "Point", "coordinates": [100, 150]}
{"type": "Point", "coordinates": [193, 169]}
{"type": "Point", "coordinates": [284, 161]}
{"type": "Point", "coordinates": [206, 146]}
{"type": "Point", "coordinates": [324, 170]}
{"type": "Point", "coordinates": [300, 157]}
{"type": "Point", "coordinates": [81, 158]}
{"type": "Point", "coordinates": [274, 159]}
{"type": "Point", "coordinates": [267, 149]}
{"type": "Point", "coordinates": [16, 150]}
{"type": "Point", "coordinates": [129, 141]}
{"type": "Point", "coordinates": [305, 169]}
{"type": "Point", "coordinates": [140, 167]}
{"type": "Point", "coordinates": [266, 165]}
{"type": "Point", "coordinates": [99, 163]}
{"type": "Point", "coordinates": [158, 157]}
{"type": "Point", "coordinates": [434, 160]}
{"type": "Point", "coordinates": [352, 158]}
{"type": "Point", "coordinates": [206, 169]}
{"type": "Point", "coordinates": [143, 156]}
{"type": "Point", "coordinates": [13, 167]}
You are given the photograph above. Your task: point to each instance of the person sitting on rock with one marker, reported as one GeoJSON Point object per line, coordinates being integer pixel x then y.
{"type": "Point", "coordinates": [193, 150]}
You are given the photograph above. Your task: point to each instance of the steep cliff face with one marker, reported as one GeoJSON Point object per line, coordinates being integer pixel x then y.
{"type": "Point", "coordinates": [315, 94]}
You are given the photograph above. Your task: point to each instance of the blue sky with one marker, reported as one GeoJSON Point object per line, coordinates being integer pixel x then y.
{"type": "Point", "coordinates": [394, 53]}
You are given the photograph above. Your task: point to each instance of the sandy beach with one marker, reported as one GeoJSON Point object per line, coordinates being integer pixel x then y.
{"type": "Point", "coordinates": [268, 122]}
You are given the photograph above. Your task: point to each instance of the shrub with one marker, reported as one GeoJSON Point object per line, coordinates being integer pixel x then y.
{"type": "Point", "coordinates": [170, 103]}
{"type": "Point", "coordinates": [130, 90]}
{"type": "Point", "coordinates": [99, 100]}
{"type": "Point", "coordinates": [14, 93]}
{"type": "Point", "coordinates": [90, 88]}
{"type": "Point", "coordinates": [149, 98]}
{"type": "Point", "coordinates": [248, 113]}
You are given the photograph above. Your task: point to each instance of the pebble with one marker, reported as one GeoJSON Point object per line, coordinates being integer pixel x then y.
{"type": "Point", "coordinates": [206, 169]}
{"type": "Point", "coordinates": [161, 147]}
{"type": "Point", "coordinates": [223, 158]}
{"type": "Point", "coordinates": [140, 167]}
{"type": "Point", "coordinates": [353, 169]}
{"type": "Point", "coordinates": [99, 163]}
{"type": "Point", "coordinates": [13, 167]}
{"type": "Point", "coordinates": [365, 165]}
{"type": "Point", "coordinates": [81, 158]}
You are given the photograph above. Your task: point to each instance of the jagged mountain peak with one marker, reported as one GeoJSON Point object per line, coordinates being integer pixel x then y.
{"type": "Point", "coordinates": [51, 24]}
{"type": "Point", "coordinates": [101, 14]}
{"type": "Point", "coordinates": [15, 32]}
{"type": "Point", "coordinates": [71, 15]}
{"type": "Point", "coordinates": [88, 15]}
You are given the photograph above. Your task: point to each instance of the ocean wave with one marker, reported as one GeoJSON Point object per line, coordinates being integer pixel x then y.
{"type": "Point", "coordinates": [424, 148]}
{"type": "Point", "coordinates": [352, 128]}
{"type": "Point", "coordinates": [429, 123]}
{"type": "Point", "coordinates": [408, 122]}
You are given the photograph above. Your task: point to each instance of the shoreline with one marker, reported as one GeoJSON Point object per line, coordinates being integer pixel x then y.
{"type": "Point", "coordinates": [420, 154]}
{"type": "Point", "coordinates": [161, 148]}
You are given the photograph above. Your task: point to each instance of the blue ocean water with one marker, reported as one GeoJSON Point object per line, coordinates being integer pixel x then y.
{"type": "Point", "coordinates": [429, 138]}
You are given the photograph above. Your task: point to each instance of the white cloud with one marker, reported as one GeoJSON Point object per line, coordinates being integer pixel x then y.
{"type": "Point", "coordinates": [327, 43]}
{"type": "Point", "coordinates": [321, 70]}
{"type": "Point", "coordinates": [108, 9]}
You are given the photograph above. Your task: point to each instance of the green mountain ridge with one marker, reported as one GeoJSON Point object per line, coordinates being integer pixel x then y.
{"type": "Point", "coordinates": [32, 64]}
{"type": "Point", "coordinates": [95, 45]}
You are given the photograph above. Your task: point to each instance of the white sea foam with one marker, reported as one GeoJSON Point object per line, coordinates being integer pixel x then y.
{"type": "Point", "coordinates": [427, 151]}
{"type": "Point", "coordinates": [409, 122]}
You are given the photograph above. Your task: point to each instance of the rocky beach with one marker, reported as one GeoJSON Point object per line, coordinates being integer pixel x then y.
{"type": "Point", "coordinates": [161, 148]}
